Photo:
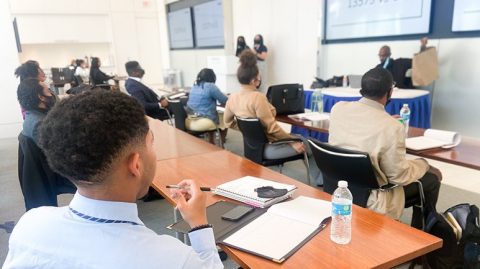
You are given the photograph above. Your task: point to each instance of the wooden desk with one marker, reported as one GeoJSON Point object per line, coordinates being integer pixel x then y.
{"type": "Point", "coordinates": [377, 241]}
{"type": "Point", "coordinates": [466, 154]}
{"type": "Point", "coordinates": [170, 142]}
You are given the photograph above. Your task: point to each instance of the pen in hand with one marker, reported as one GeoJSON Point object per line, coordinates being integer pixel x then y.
{"type": "Point", "coordinates": [180, 187]}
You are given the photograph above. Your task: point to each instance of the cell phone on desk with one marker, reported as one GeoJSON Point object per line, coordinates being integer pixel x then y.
{"type": "Point", "coordinates": [237, 213]}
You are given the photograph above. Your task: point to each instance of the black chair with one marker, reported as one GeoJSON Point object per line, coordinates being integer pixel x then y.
{"type": "Point", "coordinates": [255, 140]}
{"type": "Point", "coordinates": [287, 98]}
{"type": "Point", "coordinates": [337, 164]}
{"type": "Point", "coordinates": [180, 115]}
{"type": "Point", "coordinates": [40, 185]}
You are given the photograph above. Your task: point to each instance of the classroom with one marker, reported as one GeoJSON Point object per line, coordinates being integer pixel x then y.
{"type": "Point", "coordinates": [240, 134]}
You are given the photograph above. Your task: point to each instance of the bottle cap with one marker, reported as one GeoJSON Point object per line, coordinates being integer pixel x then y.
{"type": "Point", "coordinates": [342, 184]}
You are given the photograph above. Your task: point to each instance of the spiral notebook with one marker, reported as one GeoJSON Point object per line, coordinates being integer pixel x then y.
{"type": "Point", "coordinates": [243, 190]}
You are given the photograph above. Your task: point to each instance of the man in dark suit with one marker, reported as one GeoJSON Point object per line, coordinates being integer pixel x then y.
{"type": "Point", "coordinates": [397, 67]}
{"type": "Point", "coordinates": [154, 106]}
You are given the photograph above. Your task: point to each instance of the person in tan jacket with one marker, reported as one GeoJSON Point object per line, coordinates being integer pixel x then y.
{"type": "Point", "coordinates": [366, 126]}
{"type": "Point", "coordinates": [250, 103]}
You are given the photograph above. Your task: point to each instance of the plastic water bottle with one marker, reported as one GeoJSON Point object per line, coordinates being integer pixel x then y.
{"type": "Point", "coordinates": [345, 82]}
{"type": "Point", "coordinates": [405, 116]}
{"type": "Point", "coordinates": [316, 103]}
{"type": "Point", "coordinates": [341, 228]}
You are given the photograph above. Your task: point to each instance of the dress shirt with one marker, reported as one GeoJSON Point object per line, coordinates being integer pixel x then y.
{"type": "Point", "coordinates": [366, 126]}
{"type": "Point", "coordinates": [203, 100]}
{"type": "Point", "coordinates": [55, 237]}
{"type": "Point", "coordinates": [250, 103]}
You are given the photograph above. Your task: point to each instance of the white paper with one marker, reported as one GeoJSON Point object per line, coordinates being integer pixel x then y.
{"type": "Point", "coordinates": [311, 116]}
{"type": "Point", "coordinates": [433, 139]}
{"type": "Point", "coordinates": [305, 209]}
{"type": "Point", "coordinates": [282, 228]}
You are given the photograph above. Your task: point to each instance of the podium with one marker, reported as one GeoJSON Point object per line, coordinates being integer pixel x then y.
{"type": "Point", "coordinates": [225, 68]}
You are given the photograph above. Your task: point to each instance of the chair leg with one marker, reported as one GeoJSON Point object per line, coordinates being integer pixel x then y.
{"type": "Point", "coordinates": [220, 138]}
{"type": "Point", "coordinates": [280, 167]}
{"type": "Point", "coordinates": [307, 165]}
{"type": "Point", "coordinates": [422, 203]}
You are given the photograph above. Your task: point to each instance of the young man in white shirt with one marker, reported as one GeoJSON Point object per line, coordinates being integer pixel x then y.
{"type": "Point", "coordinates": [101, 141]}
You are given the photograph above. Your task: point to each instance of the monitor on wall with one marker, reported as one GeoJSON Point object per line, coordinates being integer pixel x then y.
{"type": "Point", "coordinates": [180, 29]}
{"type": "Point", "coordinates": [208, 18]}
{"type": "Point", "coordinates": [351, 19]}
{"type": "Point", "coordinates": [466, 16]}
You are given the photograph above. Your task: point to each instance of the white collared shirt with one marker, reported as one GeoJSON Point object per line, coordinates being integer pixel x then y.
{"type": "Point", "coordinates": [55, 237]}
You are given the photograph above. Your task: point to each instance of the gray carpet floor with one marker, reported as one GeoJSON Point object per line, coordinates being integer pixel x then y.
{"type": "Point", "coordinates": [158, 214]}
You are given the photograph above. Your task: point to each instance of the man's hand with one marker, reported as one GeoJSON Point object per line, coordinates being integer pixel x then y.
{"type": "Point", "coordinates": [190, 202]}
{"type": "Point", "coordinates": [424, 41]}
{"type": "Point", "coordinates": [299, 147]}
{"type": "Point", "coordinates": [436, 172]}
{"type": "Point", "coordinates": [164, 102]}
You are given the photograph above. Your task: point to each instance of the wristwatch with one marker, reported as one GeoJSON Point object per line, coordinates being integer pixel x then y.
{"type": "Point", "coordinates": [199, 227]}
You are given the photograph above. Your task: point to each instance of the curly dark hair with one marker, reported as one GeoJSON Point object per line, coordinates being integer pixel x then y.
{"type": "Point", "coordinates": [29, 92]}
{"type": "Point", "coordinates": [248, 69]}
{"type": "Point", "coordinates": [376, 83]}
{"type": "Point", "coordinates": [29, 69]}
{"type": "Point", "coordinates": [84, 135]}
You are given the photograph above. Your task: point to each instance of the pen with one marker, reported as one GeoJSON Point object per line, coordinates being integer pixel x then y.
{"type": "Point", "coordinates": [180, 187]}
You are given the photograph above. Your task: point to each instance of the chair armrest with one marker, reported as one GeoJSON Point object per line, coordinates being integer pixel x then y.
{"type": "Point", "coordinates": [285, 141]}
{"type": "Point", "coordinates": [388, 187]}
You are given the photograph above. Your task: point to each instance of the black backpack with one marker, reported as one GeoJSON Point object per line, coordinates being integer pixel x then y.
{"type": "Point", "coordinates": [463, 252]}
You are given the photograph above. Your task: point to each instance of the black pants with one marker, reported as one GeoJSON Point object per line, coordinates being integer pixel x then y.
{"type": "Point", "coordinates": [431, 188]}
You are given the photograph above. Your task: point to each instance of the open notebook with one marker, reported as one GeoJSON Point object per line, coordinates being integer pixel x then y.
{"type": "Point", "coordinates": [310, 116]}
{"type": "Point", "coordinates": [283, 229]}
{"type": "Point", "coordinates": [243, 190]}
{"type": "Point", "coordinates": [433, 139]}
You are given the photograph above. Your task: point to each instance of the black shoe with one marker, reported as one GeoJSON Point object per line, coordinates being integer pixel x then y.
{"type": "Point", "coordinates": [152, 195]}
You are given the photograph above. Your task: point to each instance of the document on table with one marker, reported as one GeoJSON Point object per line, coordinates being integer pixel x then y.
{"type": "Point", "coordinates": [311, 116]}
{"type": "Point", "coordinates": [433, 139]}
{"type": "Point", "coordinates": [283, 229]}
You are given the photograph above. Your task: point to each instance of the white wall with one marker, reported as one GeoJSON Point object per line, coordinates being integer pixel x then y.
{"type": "Point", "coordinates": [59, 55]}
{"type": "Point", "coordinates": [455, 95]}
{"type": "Point", "coordinates": [122, 30]}
{"type": "Point", "coordinates": [190, 62]}
{"type": "Point", "coordinates": [289, 28]}
{"type": "Point", "coordinates": [10, 116]}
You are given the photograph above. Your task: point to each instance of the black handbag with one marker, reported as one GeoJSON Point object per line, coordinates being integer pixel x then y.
{"type": "Point", "coordinates": [287, 98]}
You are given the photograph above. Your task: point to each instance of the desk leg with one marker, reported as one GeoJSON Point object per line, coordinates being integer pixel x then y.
{"type": "Point", "coordinates": [175, 219]}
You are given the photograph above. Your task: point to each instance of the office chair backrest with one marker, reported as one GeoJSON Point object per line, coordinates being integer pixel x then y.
{"type": "Point", "coordinates": [287, 98]}
{"type": "Point", "coordinates": [39, 184]}
{"type": "Point", "coordinates": [341, 164]}
{"type": "Point", "coordinates": [254, 138]}
{"type": "Point", "coordinates": [179, 113]}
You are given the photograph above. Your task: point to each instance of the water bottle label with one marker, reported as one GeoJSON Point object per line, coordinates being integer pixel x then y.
{"type": "Point", "coordinates": [339, 209]}
{"type": "Point", "coordinates": [405, 116]}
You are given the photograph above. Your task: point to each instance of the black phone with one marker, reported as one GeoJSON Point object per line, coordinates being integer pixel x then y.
{"type": "Point", "coordinates": [237, 213]}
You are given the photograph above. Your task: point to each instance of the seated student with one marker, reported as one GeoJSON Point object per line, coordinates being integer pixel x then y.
{"type": "Point", "coordinates": [81, 70]}
{"type": "Point", "coordinates": [154, 106]}
{"type": "Point", "coordinates": [365, 126]}
{"type": "Point", "coordinates": [97, 77]}
{"type": "Point", "coordinates": [29, 70]}
{"type": "Point", "coordinates": [250, 103]}
{"type": "Point", "coordinates": [202, 101]}
{"type": "Point", "coordinates": [35, 97]}
{"type": "Point", "coordinates": [101, 141]}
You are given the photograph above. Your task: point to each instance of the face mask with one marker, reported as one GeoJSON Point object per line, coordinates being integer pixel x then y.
{"type": "Point", "coordinates": [259, 84]}
{"type": "Point", "coordinates": [389, 98]}
{"type": "Point", "coordinates": [141, 72]}
{"type": "Point", "coordinates": [50, 101]}
{"type": "Point", "coordinates": [256, 41]}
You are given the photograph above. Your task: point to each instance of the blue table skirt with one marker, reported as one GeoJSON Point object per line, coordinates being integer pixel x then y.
{"type": "Point", "coordinates": [419, 107]}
